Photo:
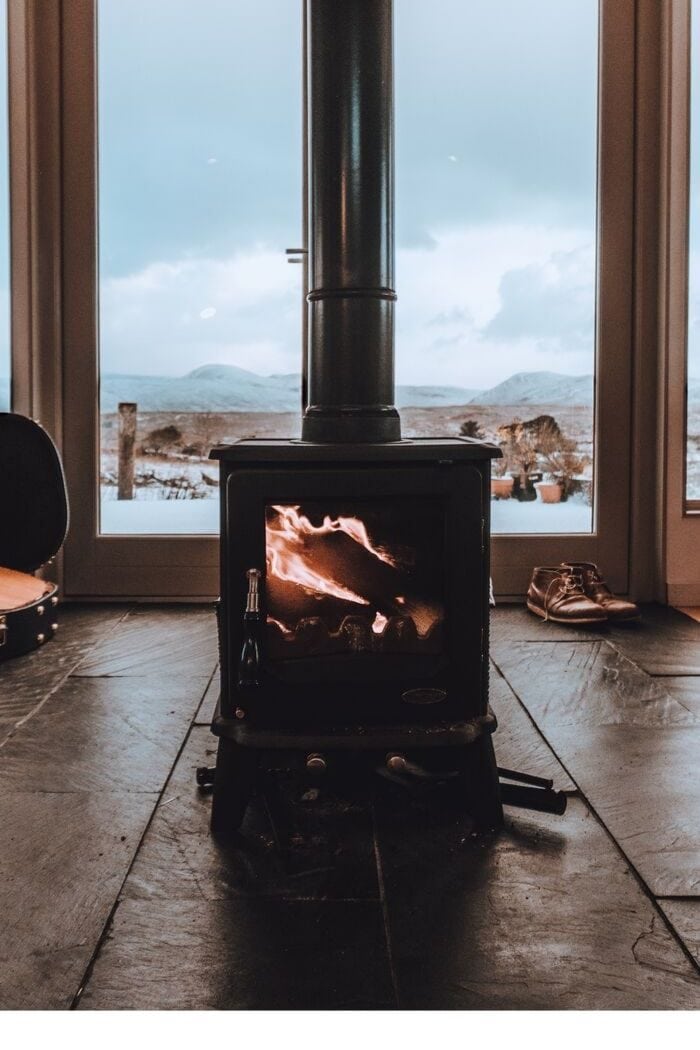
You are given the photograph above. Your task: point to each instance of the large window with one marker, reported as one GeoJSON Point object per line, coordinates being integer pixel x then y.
{"type": "Point", "coordinates": [693, 364]}
{"type": "Point", "coordinates": [199, 130]}
{"type": "Point", "coordinates": [5, 361]}
{"type": "Point", "coordinates": [199, 175]}
{"type": "Point", "coordinates": [514, 175]}
{"type": "Point", "coordinates": [496, 131]}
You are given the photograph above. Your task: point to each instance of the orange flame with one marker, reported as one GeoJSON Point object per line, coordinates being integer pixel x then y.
{"type": "Point", "coordinates": [288, 558]}
{"type": "Point", "coordinates": [278, 623]}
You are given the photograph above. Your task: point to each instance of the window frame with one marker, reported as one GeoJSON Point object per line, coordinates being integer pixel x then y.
{"type": "Point", "coordinates": [609, 544]}
{"type": "Point", "coordinates": [680, 566]}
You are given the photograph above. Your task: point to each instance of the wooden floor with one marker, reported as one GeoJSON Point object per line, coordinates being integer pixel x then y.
{"type": "Point", "coordinates": [113, 895]}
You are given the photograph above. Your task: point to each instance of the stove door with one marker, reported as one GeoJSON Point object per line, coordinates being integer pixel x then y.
{"type": "Point", "coordinates": [373, 595]}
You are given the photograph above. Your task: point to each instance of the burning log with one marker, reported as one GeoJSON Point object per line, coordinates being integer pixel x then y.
{"type": "Point", "coordinates": [313, 635]}
{"type": "Point", "coordinates": [400, 635]}
{"type": "Point", "coordinates": [356, 632]}
{"type": "Point", "coordinates": [334, 569]}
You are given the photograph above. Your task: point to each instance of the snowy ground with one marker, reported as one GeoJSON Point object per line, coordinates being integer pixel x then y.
{"type": "Point", "coordinates": [508, 516]}
{"type": "Point", "coordinates": [195, 516]}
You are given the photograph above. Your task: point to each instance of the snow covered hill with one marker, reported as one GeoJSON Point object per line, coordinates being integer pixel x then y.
{"type": "Point", "coordinates": [211, 388]}
{"type": "Point", "coordinates": [225, 388]}
{"type": "Point", "coordinates": [539, 388]}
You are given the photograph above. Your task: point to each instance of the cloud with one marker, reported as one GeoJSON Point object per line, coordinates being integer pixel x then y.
{"type": "Point", "coordinates": [483, 302]}
{"type": "Point", "coordinates": [169, 318]}
{"type": "Point", "coordinates": [552, 302]}
{"type": "Point", "coordinates": [475, 305]}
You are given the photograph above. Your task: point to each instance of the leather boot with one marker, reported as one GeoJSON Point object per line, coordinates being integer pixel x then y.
{"type": "Point", "coordinates": [618, 610]}
{"type": "Point", "coordinates": [556, 593]}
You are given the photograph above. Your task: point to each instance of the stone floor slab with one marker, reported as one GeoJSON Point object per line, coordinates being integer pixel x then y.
{"type": "Point", "coordinates": [587, 684]}
{"type": "Point", "coordinates": [242, 955]}
{"type": "Point", "coordinates": [665, 643]}
{"type": "Point", "coordinates": [324, 851]}
{"type": "Point", "coordinates": [102, 734]}
{"type": "Point", "coordinates": [169, 639]}
{"type": "Point", "coordinates": [518, 744]}
{"type": "Point", "coordinates": [645, 785]}
{"type": "Point", "coordinates": [686, 690]}
{"type": "Point", "coordinates": [63, 858]}
{"type": "Point", "coordinates": [684, 916]}
{"type": "Point", "coordinates": [26, 681]}
{"type": "Point", "coordinates": [515, 623]}
{"type": "Point", "coordinates": [545, 916]}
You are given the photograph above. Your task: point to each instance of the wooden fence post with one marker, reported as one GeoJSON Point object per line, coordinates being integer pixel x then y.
{"type": "Point", "coordinates": [127, 440]}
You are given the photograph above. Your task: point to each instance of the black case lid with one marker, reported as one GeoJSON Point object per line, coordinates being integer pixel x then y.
{"type": "Point", "coordinates": [33, 498]}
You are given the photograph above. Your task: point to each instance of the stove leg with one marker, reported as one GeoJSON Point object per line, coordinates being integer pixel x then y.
{"type": "Point", "coordinates": [479, 785]}
{"type": "Point", "coordinates": [234, 780]}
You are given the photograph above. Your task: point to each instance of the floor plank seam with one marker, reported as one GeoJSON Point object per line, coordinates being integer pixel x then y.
{"type": "Point", "coordinates": [646, 889]}
{"type": "Point", "coordinates": [75, 1001]}
{"type": "Point", "coordinates": [107, 926]}
{"type": "Point", "coordinates": [669, 674]}
{"type": "Point", "coordinates": [678, 936]}
{"type": "Point", "coordinates": [212, 676]}
{"type": "Point", "coordinates": [385, 911]}
{"type": "Point", "coordinates": [69, 674]}
{"type": "Point", "coordinates": [559, 641]}
{"type": "Point", "coordinates": [691, 897]}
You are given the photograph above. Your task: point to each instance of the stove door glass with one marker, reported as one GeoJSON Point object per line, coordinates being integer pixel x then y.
{"type": "Point", "coordinates": [359, 577]}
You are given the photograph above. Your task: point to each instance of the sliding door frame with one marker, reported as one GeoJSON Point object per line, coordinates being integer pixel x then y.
{"type": "Point", "coordinates": [141, 567]}
{"type": "Point", "coordinates": [608, 546]}
{"type": "Point", "coordinates": [171, 567]}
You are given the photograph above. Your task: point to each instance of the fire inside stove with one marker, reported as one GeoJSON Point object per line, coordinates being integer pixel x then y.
{"type": "Point", "coordinates": [360, 578]}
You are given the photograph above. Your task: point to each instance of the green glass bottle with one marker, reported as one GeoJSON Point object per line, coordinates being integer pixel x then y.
{"type": "Point", "coordinates": [249, 663]}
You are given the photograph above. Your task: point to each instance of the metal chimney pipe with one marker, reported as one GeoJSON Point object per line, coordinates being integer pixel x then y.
{"type": "Point", "coordinates": [351, 222]}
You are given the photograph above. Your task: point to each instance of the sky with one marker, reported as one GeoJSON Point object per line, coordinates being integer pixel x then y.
{"type": "Point", "coordinates": [200, 186]}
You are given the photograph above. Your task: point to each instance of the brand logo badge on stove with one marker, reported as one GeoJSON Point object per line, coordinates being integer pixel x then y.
{"type": "Point", "coordinates": [424, 696]}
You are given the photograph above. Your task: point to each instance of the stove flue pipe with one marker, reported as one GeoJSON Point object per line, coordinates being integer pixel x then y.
{"type": "Point", "coordinates": [349, 57]}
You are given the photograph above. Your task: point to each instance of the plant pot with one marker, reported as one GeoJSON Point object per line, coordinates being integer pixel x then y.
{"type": "Point", "coordinates": [502, 488]}
{"type": "Point", "coordinates": [549, 491]}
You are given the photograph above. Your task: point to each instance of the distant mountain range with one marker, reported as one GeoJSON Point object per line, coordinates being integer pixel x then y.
{"type": "Point", "coordinates": [538, 388]}
{"type": "Point", "coordinates": [211, 388]}
{"type": "Point", "coordinates": [226, 388]}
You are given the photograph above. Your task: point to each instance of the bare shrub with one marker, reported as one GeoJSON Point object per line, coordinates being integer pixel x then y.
{"type": "Point", "coordinates": [471, 428]}
{"type": "Point", "coordinates": [162, 440]}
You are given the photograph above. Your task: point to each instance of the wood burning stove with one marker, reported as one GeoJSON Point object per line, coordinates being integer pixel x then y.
{"type": "Point", "coordinates": [369, 632]}
{"type": "Point", "coordinates": [353, 617]}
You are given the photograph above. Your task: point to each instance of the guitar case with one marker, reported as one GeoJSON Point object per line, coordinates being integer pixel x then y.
{"type": "Point", "coordinates": [33, 526]}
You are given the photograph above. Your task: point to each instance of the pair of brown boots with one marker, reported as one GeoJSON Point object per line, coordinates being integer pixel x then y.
{"type": "Point", "coordinates": [576, 593]}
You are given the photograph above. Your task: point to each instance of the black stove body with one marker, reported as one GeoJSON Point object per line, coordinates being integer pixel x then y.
{"type": "Point", "coordinates": [375, 584]}
{"type": "Point", "coordinates": [371, 633]}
